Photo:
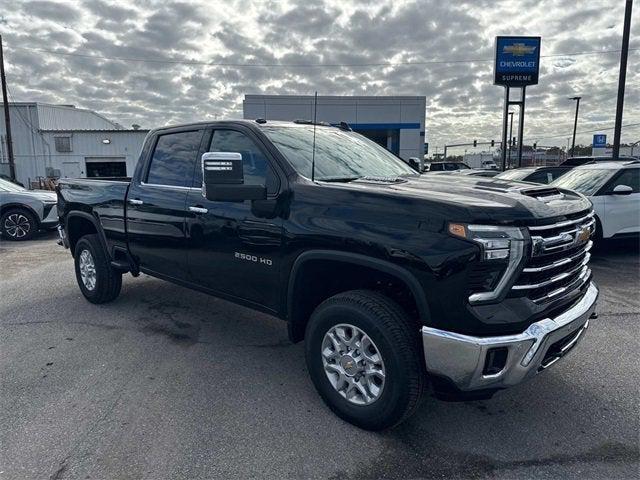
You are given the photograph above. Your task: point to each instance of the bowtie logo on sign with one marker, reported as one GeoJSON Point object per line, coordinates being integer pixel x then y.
{"type": "Point", "coordinates": [518, 49]}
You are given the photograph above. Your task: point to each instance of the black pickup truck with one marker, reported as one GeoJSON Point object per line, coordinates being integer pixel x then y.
{"type": "Point", "coordinates": [397, 282]}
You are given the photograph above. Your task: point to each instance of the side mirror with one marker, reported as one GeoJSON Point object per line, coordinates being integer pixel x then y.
{"type": "Point", "coordinates": [622, 190]}
{"type": "Point", "coordinates": [223, 179]}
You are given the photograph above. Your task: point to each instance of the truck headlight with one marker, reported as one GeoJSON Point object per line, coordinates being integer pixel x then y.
{"type": "Point", "coordinates": [501, 251]}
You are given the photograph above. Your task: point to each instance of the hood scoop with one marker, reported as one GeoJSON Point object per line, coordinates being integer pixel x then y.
{"type": "Point", "coordinates": [544, 194]}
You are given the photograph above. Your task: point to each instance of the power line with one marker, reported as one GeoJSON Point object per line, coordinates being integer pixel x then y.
{"type": "Point", "coordinates": [567, 135]}
{"type": "Point", "coordinates": [296, 65]}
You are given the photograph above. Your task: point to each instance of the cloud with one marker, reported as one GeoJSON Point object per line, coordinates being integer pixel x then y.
{"type": "Point", "coordinates": [462, 103]}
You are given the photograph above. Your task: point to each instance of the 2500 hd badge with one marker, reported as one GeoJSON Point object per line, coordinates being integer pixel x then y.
{"type": "Point", "coordinates": [253, 258]}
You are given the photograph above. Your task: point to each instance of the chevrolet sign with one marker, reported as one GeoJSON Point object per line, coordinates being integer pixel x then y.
{"type": "Point", "coordinates": [517, 61]}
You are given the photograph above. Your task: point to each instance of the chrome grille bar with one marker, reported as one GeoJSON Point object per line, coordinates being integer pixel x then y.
{"type": "Point", "coordinates": [560, 262]}
{"type": "Point", "coordinates": [562, 224]}
{"type": "Point", "coordinates": [577, 283]}
{"type": "Point", "coordinates": [556, 278]}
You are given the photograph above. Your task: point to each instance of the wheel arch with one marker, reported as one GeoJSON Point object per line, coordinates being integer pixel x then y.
{"type": "Point", "coordinates": [20, 206]}
{"type": "Point", "coordinates": [78, 224]}
{"type": "Point", "coordinates": [298, 312]}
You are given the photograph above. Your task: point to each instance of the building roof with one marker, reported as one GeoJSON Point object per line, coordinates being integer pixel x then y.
{"type": "Point", "coordinates": [67, 118]}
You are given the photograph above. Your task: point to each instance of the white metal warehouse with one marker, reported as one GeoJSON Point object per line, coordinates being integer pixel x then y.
{"type": "Point", "coordinates": [64, 141]}
{"type": "Point", "coordinates": [396, 122]}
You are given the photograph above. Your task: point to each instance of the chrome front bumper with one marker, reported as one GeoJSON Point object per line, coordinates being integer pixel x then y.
{"type": "Point", "coordinates": [461, 358]}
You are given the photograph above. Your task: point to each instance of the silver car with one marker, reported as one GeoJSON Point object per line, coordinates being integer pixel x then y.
{"type": "Point", "coordinates": [23, 212]}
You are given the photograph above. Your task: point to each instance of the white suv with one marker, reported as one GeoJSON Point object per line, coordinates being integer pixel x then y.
{"type": "Point", "coordinates": [614, 190]}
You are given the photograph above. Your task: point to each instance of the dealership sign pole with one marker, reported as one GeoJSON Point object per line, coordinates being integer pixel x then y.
{"type": "Point", "coordinates": [516, 65]}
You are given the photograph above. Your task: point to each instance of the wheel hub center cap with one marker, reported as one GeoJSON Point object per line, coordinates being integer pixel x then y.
{"type": "Point", "coordinates": [349, 365]}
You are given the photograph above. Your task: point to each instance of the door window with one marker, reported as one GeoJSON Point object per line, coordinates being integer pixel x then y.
{"type": "Point", "coordinates": [629, 177]}
{"type": "Point", "coordinates": [257, 170]}
{"type": "Point", "coordinates": [174, 158]}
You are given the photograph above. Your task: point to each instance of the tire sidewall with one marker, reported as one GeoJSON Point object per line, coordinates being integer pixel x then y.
{"type": "Point", "coordinates": [389, 407]}
{"type": "Point", "coordinates": [85, 244]}
{"type": "Point", "coordinates": [28, 215]}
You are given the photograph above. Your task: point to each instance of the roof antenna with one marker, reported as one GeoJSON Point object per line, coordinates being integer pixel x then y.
{"type": "Point", "coordinates": [313, 151]}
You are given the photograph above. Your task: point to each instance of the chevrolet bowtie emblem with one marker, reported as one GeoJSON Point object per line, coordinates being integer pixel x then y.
{"type": "Point", "coordinates": [518, 49]}
{"type": "Point", "coordinates": [583, 235]}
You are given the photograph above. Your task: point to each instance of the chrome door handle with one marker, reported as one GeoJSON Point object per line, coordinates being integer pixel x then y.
{"type": "Point", "coordinates": [135, 201]}
{"type": "Point", "coordinates": [198, 209]}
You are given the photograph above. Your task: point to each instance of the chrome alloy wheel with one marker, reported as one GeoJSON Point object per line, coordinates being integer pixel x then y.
{"type": "Point", "coordinates": [17, 225]}
{"type": "Point", "coordinates": [87, 269]}
{"type": "Point", "coordinates": [353, 364]}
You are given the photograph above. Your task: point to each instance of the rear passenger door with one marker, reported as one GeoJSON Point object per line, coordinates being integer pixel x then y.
{"type": "Point", "coordinates": [156, 204]}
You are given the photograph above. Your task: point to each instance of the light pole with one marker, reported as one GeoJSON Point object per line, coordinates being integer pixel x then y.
{"type": "Point", "coordinates": [575, 125]}
{"type": "Point", "coordinates": [510, 135]}
{"type": "Point", "coordinates": [622, 78]}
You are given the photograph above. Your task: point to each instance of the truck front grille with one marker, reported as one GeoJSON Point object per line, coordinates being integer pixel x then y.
{"type": "Point", "coordinates": [559, 259]}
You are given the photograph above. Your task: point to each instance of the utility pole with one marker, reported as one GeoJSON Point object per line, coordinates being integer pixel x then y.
{"type": "Point", "coordinates": [575, 125]}
{"type": "Point", "coordinates": [622, 78]}
{"type": "Point", "coordinates": [7, 119]}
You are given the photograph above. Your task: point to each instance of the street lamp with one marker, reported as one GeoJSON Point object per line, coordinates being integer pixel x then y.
{"type": "Point", "coordinates": [575, 124]}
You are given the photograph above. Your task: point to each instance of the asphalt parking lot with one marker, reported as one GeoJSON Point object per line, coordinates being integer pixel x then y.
{"type": "Point", "coordinates": [169, 383]}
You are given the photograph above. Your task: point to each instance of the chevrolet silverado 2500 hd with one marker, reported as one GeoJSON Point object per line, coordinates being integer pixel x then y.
{"type": "Point", "coordinates": [395, 281]}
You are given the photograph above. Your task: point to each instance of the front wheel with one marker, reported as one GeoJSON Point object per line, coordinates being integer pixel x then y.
{"type": "Point", "coordinates": [98, 281]}
{"type": "Point", "coordinates": [365, 360]}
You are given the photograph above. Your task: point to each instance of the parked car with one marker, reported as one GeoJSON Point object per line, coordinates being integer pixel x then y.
{"type": "Point", "coordinates": [23, 212]}
{"type": "Point", "coordinates": [393, 280]}
{"type": "Point", "coordinates": [8, 179]}
{"type": "Point", "coordinates": [449, 166]}
{"type": "Point", "coordinates": [614, 190]}
{"type": "Point", "coordinates": [534, 174]}
{"type": "Point", "coordinates": [575, 161]}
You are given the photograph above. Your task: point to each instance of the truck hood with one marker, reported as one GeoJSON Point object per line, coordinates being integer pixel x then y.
{"type": "Point", "coordinates": [482, 198]}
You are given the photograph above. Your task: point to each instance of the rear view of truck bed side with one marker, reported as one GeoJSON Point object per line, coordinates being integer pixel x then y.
{"type": "Point", "coordinates": [94, 207]}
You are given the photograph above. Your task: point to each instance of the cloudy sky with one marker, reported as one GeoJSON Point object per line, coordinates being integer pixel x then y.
{"type": "Point", "coordinates": [201, 58]}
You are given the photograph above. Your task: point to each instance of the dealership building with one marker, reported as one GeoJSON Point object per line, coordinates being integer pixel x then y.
{"type": "Point", "coordinates": [58, 141]}
{"type": "Point", "coordinates": [397, 123]}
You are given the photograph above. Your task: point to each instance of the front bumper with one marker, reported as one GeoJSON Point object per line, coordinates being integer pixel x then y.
{"type": "Point", "coordinates": [462, 359]}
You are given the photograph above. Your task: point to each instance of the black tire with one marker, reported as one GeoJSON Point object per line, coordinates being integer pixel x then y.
{"type": "Point", "coordinates": [18, 224]}
{"type": "Point", "coordinates": [108, 281]}
{"type": "Point", "coordinates": [397, 340]}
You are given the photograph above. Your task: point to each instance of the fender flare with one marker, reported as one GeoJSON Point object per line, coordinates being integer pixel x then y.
{"type": "Point", "coordinates": [384, 266]}
{"type": "Point", "coordinates": [96, 223]}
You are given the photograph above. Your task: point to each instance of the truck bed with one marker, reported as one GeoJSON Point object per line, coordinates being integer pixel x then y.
{"type": "Point", "coordinates": [101, 199]}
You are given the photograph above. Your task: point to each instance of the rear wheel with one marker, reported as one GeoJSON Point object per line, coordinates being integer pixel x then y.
{"type": "Point", "coordinates": [18, 224]}
{"type": "Point", "coordinates": [98, 281]}
{"type": "Point", "coordinates": [365, 360]}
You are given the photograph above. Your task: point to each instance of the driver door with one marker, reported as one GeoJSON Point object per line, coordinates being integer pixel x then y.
{"type": "Point", "coordinates": [233, 250]}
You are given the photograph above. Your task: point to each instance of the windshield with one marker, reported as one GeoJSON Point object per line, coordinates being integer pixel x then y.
{"type": "Point", "coordinates": [585, 181]}
{"type": "Point", "coordinates": [6, 186]}
{"type": "Point", "coordinates": [515, 174]}
{"type": "Point", "coordinates": [340, 155]}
